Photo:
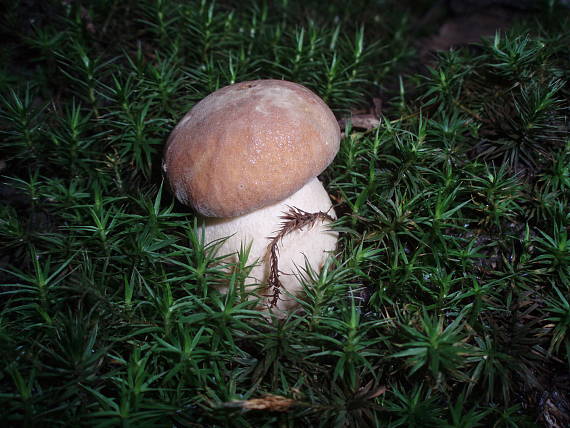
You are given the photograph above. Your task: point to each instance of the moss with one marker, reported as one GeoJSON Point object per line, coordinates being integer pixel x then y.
{"type": "Point", "coordinates": [447, 304]}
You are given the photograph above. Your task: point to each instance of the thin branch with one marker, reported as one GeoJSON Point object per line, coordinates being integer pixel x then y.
{"type": "Point", "coordinates": [294, 219]}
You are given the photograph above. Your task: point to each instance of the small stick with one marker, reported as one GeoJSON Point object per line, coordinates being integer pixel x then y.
{"type": "Point", "coordinates": [294, 219]}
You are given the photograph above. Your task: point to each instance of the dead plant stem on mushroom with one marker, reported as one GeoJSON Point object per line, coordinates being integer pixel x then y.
{"type": "Point", "coordinates": [294, 219]}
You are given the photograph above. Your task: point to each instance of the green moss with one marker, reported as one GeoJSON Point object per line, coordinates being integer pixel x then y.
{"type": "Point", "coordinates": [446, 306]}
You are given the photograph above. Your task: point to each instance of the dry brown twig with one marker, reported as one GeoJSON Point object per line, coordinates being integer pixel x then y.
{"type": "Point", "coordinates": [294, 219]}
{"type": "Point", "coordinates": [267, 402]}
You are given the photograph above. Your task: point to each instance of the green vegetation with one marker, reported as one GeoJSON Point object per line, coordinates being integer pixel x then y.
{"type": "Point", "coordinates": [448, 302]}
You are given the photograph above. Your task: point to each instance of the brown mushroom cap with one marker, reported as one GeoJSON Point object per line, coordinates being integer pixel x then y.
{"type": "Point", "coordinates": [249, 145]}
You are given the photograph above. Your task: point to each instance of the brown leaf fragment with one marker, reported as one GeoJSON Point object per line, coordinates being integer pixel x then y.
{"type": "Point", "coordinates": [267, 402]}
{"type": "Point", "coordinates": [555, 409]}
{"type": "Point", "coordinates": [465, 29]}
{"type": "Point", "coordinates": [377, 110]}
{"type": "Point", "coordinates": [361, 121]}
{"type": "Point", "coordinates": [381, 390]}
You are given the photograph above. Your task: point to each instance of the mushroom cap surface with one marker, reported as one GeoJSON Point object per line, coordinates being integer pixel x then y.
{"type": "Point", "coordinates": [249, 145]}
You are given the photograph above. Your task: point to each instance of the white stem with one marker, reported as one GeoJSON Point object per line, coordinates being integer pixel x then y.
{"type": "Point", "coordinates": [311, 245]}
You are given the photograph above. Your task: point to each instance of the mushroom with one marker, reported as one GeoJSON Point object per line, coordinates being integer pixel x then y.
{"type": "Point", "coordinates": [246, 158]}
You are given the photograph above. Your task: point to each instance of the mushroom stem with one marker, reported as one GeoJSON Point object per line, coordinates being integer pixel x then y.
{"type": "Point", "coordinates": [283, 237]}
